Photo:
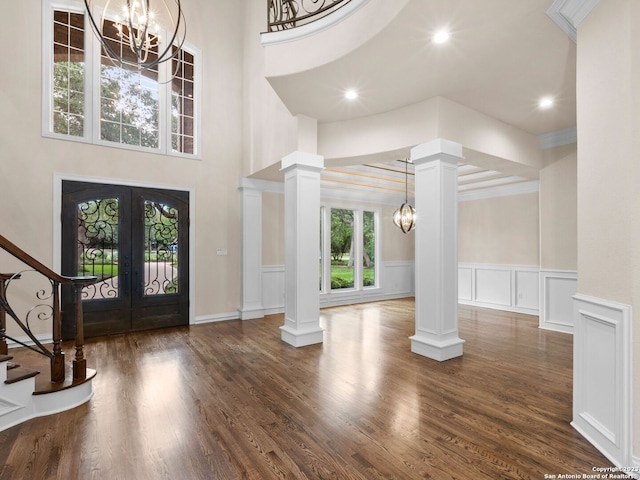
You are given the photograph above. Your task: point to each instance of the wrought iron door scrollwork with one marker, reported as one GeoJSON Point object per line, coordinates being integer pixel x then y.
{"type": "Point", "coordinates": [161, 249]}
{"type": "Point", "coordinates": [98, 246]}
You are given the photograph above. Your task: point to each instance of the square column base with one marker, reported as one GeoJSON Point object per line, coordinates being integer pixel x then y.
{"type": "Point", "coordinates": [435, 350]}
{"type": "Point", "coordinates": [301, 338]}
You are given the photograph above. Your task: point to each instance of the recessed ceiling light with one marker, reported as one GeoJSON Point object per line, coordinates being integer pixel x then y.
{"type": "Point", "coordinates": [351, 94]}
{"type": "Point", "coordinates": [545, 102]}
{"type": "Point", "coordinates": [441, 36]}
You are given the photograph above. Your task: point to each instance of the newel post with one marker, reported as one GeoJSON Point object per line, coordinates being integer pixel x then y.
{"type": "Point", "coordinates": [4, 349]}
{"type": "Point", "coordinates": [57, 360]}
{"type": "Point", "coordinates": [79, 363]}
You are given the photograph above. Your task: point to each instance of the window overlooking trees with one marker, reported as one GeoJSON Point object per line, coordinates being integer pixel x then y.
{"type": "Point", "coordinates": [369, 249]}
{"type": "Point", "coordinates": [349, 253]}
{"type": "Point", "coordinates": [342, 249]}
{"type": "Point", "coordinates": [129, 104]}
{"type": "Point", "coordinates": [68, 74]}
{"type": "Point", "coordinates": [94, 100]}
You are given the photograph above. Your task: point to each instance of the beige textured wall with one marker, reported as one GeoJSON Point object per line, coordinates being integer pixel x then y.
{"type": "Point", "coordinates": [29, 161]}
{"type": "Point", "coordinates": [269, 131]}
{"type": "Point", "coordinates": [608, 204]}
{"type": "Point", "coordinates": [396, 246]}
{"type": "Point", "coordinates": [500, 230]}
{"type": "Point", "coordinates": [273, 229]}
{"type": "Point", "coordinates": [558, 214]}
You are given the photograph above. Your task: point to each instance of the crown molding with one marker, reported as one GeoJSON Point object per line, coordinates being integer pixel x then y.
{"type": "Point", "coordinates": [521, 188]}
{"type": "Point", "coordinates": [245, 183]}
{"type": "Point", "coordinates": [558, 138]}
{"type": "Point", "coordinates": [569, 14]}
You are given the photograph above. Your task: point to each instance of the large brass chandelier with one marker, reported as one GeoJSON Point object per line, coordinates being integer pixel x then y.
{"type": "Point", "coordinates": [405, 217]}
{"type": "Point", "coordinates": [130, 33]}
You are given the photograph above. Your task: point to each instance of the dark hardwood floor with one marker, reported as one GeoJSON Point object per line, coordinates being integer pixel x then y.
{"type": "Point", "coordinates": [230, 400]}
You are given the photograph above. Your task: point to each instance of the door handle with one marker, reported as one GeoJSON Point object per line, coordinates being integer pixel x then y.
{"type": "Point", "coordinates": [125, 287]}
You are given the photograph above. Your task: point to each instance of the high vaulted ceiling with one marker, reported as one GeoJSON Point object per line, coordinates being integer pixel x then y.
{"type": "Point", "coordinates": [503, 56]}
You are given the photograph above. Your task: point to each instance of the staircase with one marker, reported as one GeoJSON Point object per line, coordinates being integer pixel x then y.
{"type": "Point", "coordinates": [32, 391]}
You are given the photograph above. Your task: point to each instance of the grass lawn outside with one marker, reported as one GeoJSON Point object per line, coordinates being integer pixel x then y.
{"type": "Point", "coordinates": [99, 270]}
{"type": "Point", "coordinates": [342, 276]}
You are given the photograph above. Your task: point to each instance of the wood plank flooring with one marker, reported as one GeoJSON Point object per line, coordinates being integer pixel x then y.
{"type": "Point", "coordinates": [230, 400]}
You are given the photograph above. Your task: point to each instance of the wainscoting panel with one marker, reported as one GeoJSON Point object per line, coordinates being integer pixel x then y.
{"type": "Point", "coordinates": [465, 283]}
{"type": "Point", "coordinates": [556, 309]}
{"type": "Point", "coordinates": [273, 289]}
{"type": "Point", "coordinates": [396, 281]}
{"type": "Point", "coordinates": [493, 285]}
{"type": "Point", "coordinates": [503, 287]}
{"type": "Point", "coordinates": [602, 376]}
{"type": "Point", "coordinates": [526, 289]}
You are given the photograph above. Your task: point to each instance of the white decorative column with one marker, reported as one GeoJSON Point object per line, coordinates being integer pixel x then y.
{"type": "Point", "coordinates": [251, 257]}
{"type": "Point", "coordinates": [436, 255]}
{"type": "Point", "coordinates": [302, 242]}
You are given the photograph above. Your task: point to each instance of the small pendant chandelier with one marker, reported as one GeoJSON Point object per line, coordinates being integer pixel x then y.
{"type": "Point", "coordinates": [133, 24]}
{"type": "Point", "coordinates": [405, 217]}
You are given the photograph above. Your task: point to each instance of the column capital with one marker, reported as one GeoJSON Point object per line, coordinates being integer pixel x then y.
{"type": "Point", "coordinates": [308, 161]}
{"type": "Point", "coordinates": [438, 149]}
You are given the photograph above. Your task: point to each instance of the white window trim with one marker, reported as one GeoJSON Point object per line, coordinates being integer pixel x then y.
{"type": "Point", "coordinates": [358, 216]}
{"type": "Point", "coordinates": [92, 89]}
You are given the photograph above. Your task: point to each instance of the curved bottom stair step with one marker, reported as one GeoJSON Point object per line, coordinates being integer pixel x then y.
{"type": "Point", "coordinates": [44, 386]}
{"type": "Point", "coordinates": [18, 373]}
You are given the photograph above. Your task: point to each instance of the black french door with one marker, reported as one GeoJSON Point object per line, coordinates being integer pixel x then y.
{"type": "Point", "coordinates": [136, 241]}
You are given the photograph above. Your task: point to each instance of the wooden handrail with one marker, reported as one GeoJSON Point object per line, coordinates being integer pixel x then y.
{"type": "Point", "coordinates": [77, 283]}
{"type": "Point", "coordinates": [24, 257]}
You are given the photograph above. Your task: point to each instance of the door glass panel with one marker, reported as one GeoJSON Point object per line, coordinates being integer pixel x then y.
{"type": "Point", "coordinates": [98, 247]}
{"type": "Point", "coordinates": [160, 249]}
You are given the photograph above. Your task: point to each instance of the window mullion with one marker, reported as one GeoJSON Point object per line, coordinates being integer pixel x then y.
{"type": "Point", "coordinates": [357, 249]}
{"type": "Point", "coordinates": [91, 83]}
{"type": "Point", "coordinates": [164, 100]}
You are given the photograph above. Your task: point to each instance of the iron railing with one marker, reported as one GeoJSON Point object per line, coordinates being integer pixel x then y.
{"type": "Point", "coordinates": [287, 14]}
{"type": "Point", "coordinates": [47, 307]}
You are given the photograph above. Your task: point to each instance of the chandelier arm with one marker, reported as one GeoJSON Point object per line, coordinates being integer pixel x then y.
{"type": "Point", "coordinates": [179, 18]}
{"type": "Point", "coordinates": [134, 41]}
{"type": "Point", "coordinates": [406, 181]}
{"type": "Point", "coordinates": [112, 55]}
{"type": "Point", "coordinates": [161, 58]}
{"type": "Point", "coordinates": [138, 47]}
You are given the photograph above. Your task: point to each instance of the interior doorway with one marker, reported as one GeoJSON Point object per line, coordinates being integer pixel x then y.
{"type": "Point", "coordinates": [136, 241]}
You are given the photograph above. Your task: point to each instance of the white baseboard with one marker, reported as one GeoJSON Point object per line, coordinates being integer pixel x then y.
{"type": "Point", "coordinates": [217, 317]}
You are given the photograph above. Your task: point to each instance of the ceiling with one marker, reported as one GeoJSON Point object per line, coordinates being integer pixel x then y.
{"type": "Point", "coordinates": [502, 57]}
